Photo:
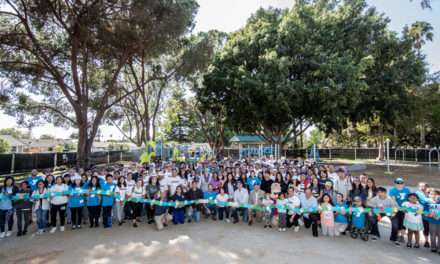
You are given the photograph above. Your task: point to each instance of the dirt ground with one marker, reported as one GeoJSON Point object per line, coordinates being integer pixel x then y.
{"type": "Point", "coordinates": [411, 173]}
{"type": "Point", "coordinates": [205, 242]}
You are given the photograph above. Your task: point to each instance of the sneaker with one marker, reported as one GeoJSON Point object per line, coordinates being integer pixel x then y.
{"type": "Point", "coordinates": [62, 229]}
{"type": "Point", "coordinates": [9, 233]}
{"type": "Point", "coordinates": [416, 245]}
{"type": "Point", "coordinates": [374, 238]}
{"type": "Point", "coordinates": [53, 230]}
{"type": "Point", "coordinates": [78, 226]}
{"type": "Point", "coordinates": [250, 223]}
{"type": "Point", "coordinates": [408, 245]}
{"type": "Point", "coordinates": [284, 230]}
{"type": "Point", "coordinates": [265, 226]}
{"type": "Point", "coordinates": [434, 250]}
{"type": "Point", "coordinates": [427, 245]}
{"type": "Point", "coordinates": [19, 234]}
{"type": "Point", "coordinates": [280, 230]}
{"type": "Point", "coordinates": [227, 220]}
{"type": "Point", "coordinates": [396, 243]}
{"type": "Point", "coordinates": [296, 229]}
{"type": "Point", "coordinates": [73, 227]}
{"type": "Point", "coordinates": [270, 226]}
{"type": "Point", "coordinates": [2, 235]}
{"type": "Point", "coordinates": [135, 225]}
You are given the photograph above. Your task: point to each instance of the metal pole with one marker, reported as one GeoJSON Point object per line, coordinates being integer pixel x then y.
{"type": "Point", "coordinates": [55, 160]}
{"type": "Point", "coordinates": [330, 153]}
{"type": "Point", "coordinates": [314, 152]}
{"type": "Point", "coordinates": [388, 154]}
{"type": "Point", "coordinates": [108, 157]}
{"type": "Point", "coordinates": [12, 163]}
{"type": "Point", "coordinates": [120, 156]}
{"type": "Point", "coordinates": [355, 154]}
{"type": "Point", "coordinates": [415, 154]}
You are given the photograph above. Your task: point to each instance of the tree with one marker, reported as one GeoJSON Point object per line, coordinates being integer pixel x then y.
{"type": "Point", "coordinates": [419, 33]}
{"type": "Point", "coordinates": [4, 146]}
{"type": "Point", "coordinates": [136, 116]}
{"type": "Point", "coordinates": [179, 120]}
{"type": "Point", "coordinates": [426, 4]}
{"type": "Point", "coordinates": [288, 69]}
{"type": "Point", "coordinates": [47, 136]}
{"type": "Point", "coordinates": [14, 133]}
{"type": "Point", "coordinates": [63, 59]}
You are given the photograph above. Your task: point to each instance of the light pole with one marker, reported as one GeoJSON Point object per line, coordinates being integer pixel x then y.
{"type": "Point", "coordinates": [388, 154]}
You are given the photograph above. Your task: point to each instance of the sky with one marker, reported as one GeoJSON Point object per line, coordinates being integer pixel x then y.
{"type": "Point", "coordinates": [231, 15]}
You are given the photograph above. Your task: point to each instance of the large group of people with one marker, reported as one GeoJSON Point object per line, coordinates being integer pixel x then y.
{"type": "Point", "coordinates": [286, 194]}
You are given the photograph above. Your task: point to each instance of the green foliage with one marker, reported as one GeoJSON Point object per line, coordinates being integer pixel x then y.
{"type": "Point", "coordinates": [63, 59]}
{"type": "Point", "coordinates": [4, 146]}
{"type": "Point", "coordinates": [308, 64]}
{"type": "Point", "coordinates": [14, 133]}
{"type": "Point", "coordinates": [58, 148]}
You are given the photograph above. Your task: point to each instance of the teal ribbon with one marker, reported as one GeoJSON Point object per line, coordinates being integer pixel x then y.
{"type": "Point", "coordinates": [180, 204]}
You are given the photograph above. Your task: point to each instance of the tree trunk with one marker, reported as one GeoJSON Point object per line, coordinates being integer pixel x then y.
{"type": "Point", "coordinates": [82, 157]}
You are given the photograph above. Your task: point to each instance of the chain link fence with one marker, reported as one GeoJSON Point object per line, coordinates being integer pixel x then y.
{"type": "Point", "coordinates": [24, 162]}
{"type": "Point", "coordinates": [429, 156]}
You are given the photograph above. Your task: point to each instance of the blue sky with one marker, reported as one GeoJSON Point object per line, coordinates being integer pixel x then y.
{"type": "Point", "coordinates": [230, 15]}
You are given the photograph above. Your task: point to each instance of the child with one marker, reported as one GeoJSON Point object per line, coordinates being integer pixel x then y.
{"type": "Point", "coordinates": [267, 203]}
{"type": "Point", "coordinates": [7, 191]}
{"type": "Point", "coordinates": [341, 221]}
{"type": "Point", "coordinates": [76, 201]}
{"type": "Point", "coordinates": [358, 220]}
{"type": "Point", "coordinates": [434, 221]}
{"type": "Point", "coordinates": [23, 208]}
{"type": "Point", "coordinates": [282, 212]}
{"type": "Point", "coordinates": [413, 219]}
{"type": "Point", "coordinates": [327, 216]}
{"type": "Point", "coordinates": [94, 201]}
{"type": "Point", "coordinates": [58, 204]}
{"type": "Point", "coordinates": [41, 200]}
{"type": "Point", "coordinates": [178, 211]}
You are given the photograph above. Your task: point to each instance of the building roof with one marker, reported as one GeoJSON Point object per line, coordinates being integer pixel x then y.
{"type": "Point", "coordinates": [247, 138]}
{"type": "Point", "coordinates": [48, 143]}
{"type": "Point", "coordinates": [13, 142]}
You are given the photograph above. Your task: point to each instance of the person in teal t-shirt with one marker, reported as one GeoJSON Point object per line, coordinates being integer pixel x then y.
{"type": "Point", "coordinates": [400, 195]}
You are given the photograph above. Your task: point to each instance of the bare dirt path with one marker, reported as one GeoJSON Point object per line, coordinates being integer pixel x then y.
{"type": "Point", "coordinates": [206, 242]}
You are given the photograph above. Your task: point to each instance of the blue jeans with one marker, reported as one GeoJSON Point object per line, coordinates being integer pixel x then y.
{"type": "Point", "coordinates": [242, 211]}
{"type": "Point", "coordinates": [178, 216]}
{"type": "Point", "coordinates": [6, 217]}
{"type": "Point", "coordinates": [41, 218]}
{"type": "Point", "coordinates": [193, 214]}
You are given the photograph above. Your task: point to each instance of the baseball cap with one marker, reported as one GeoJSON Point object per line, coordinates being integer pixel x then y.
{"type": "Point", "coordinates": [399, 180]}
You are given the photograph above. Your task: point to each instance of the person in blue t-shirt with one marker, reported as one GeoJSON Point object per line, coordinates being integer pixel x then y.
{"type": "Point", "coordinates": [33, 179]}
{"type": "Point", "coordinates": [252, 180]}
{"type": "Point", "coordinates": [358, 220]}
{"type": "Point", "coordinates": [399, 193]}
{"type": "Point", "coordinates": [76, 201]}
{"type": "Point", "coordinates": [93, 201]}
{"type": "Point", "coordinates": [210, 209]}
{"type": "Point", "coordinates": [107, 201]}
{"type": "Point", "coordinates": [425, 201]}
{"type": "Point", "coordinates": [341, 221]}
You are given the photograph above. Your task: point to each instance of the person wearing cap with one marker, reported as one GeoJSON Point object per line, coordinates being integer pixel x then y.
{"type": "Point", "coordinates": [400, 195]}
{"type": "Point", "coordinates": [342, 183]}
